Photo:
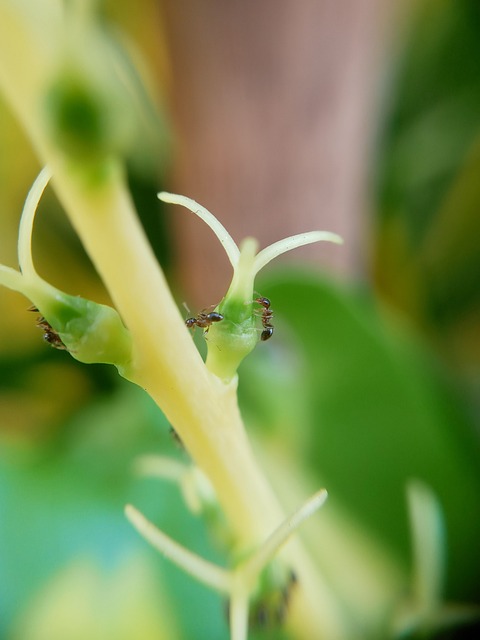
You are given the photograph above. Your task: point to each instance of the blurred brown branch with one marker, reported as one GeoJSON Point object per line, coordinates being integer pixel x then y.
{"type": "Point", "coordinates": [273, 106]}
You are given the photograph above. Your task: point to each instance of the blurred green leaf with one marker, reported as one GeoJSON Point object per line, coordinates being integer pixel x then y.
{"type": "Point", "coordinates": [61, 507]}
{"type": "Point", "coordinates": [371, 410]}
{"type": "Point", "coordinates": [427, 242]}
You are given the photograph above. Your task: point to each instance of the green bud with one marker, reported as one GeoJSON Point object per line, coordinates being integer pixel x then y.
{"type": "Point", "coordinates": [84, 118]}
{"type": "Point", "coordinates": [90, 331]}
{"type": "Point", "coordinates": [235, 336]}
{"type": "Point", "coordinates": [87, 104]}
{"type": "Point", "coordinates": [232, 339]}
{"type": "Point", "coordinates": [77, 117]}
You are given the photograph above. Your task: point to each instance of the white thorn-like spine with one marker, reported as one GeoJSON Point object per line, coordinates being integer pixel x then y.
{"type": "Point", "coordinates": [265, 255]}
{"type": "Point", "coordinates": [238, 582]}
{"type": "Point", "coordinates": [210, 574]}
{"type": "Point", "coordinates": [25, 259]}
{"type": "Point", "coordinates": [292, 242]}
{"type": "Point", "coordinates": [217, 227]}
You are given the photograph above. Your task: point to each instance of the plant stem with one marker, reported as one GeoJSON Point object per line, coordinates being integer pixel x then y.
{"type": "Point", "coordinates": [201, 408]}
{"type": "Point", "coordinates": [166, 362]}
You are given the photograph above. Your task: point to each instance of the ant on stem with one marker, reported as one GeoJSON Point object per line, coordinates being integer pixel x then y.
{"type": "Point", "coordinates": [267, 315]}
{"type": "Point", "coordinates": [204, 320]}
{"type": "Point", "coordinates": [49, 334]}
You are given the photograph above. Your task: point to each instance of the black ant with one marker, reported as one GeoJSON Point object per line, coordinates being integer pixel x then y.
{"type": "Point", "coordinates": [176, 438]}
{"type": "Point", "coordinates": [49, 334]}
{"type": "Point", "coordinates": [204, 320]}
{"type": "Point", "coordinates": [267, 315]}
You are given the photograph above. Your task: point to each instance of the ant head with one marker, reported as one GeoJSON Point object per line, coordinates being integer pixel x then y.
{"type": "Point", "coordinates": [265, 302]}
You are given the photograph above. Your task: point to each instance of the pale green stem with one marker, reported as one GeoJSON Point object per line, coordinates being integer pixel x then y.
{"type": "Point", "coordinates": [11, 278]}
{"type": "Point", "coordinates": [165, 361]}
{"type": "Point", "coordinates": [239, 615]}
{"type": "Point", "coordinates": [161, 467]}
{"type": "Point", "coordinates": [193, 483]}
{"type": "Point", "coordinates": [32, 288]}
{"type": "Point", "coordinates": [241, 287]}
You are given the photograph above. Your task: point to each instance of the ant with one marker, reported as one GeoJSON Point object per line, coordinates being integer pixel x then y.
{"type": "Point", "coordinates": [49, 334]}
{"type": "Point", "coordinates": [267, 315]}
{"type": "Point", "coordinates": [176, 438]}
{"type": "Point", "coordinates": [204, 320]}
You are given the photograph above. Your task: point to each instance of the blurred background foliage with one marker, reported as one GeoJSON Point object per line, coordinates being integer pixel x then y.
{"type": "Point", "coordinates": [365, 385]}
{"type": "Point", "coordinates": [426, 256]}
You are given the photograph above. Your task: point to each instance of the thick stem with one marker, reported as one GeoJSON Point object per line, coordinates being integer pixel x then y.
{"type": "Point", "coordinates": [202, 409]}
{"type": "Point", "coordinates": [166, 363]}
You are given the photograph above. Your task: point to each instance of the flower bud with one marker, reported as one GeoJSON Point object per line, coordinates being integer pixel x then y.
{"type": "Point", "coordinates": [87, 106]}
{"type": "Point", "coordinates": [90, 331]}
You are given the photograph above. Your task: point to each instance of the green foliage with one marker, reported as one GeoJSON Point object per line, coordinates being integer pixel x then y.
{"type": "Point", "coordinates": [354, 400]}
{"type": "Point", "coordinates": [378, 410]}
{"type": "Point", "coordinates": [62, 503]}
{"type": "Point", "coordinates": [367, 411]}
{"type": "Point", "coordinates": [427, 249]}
